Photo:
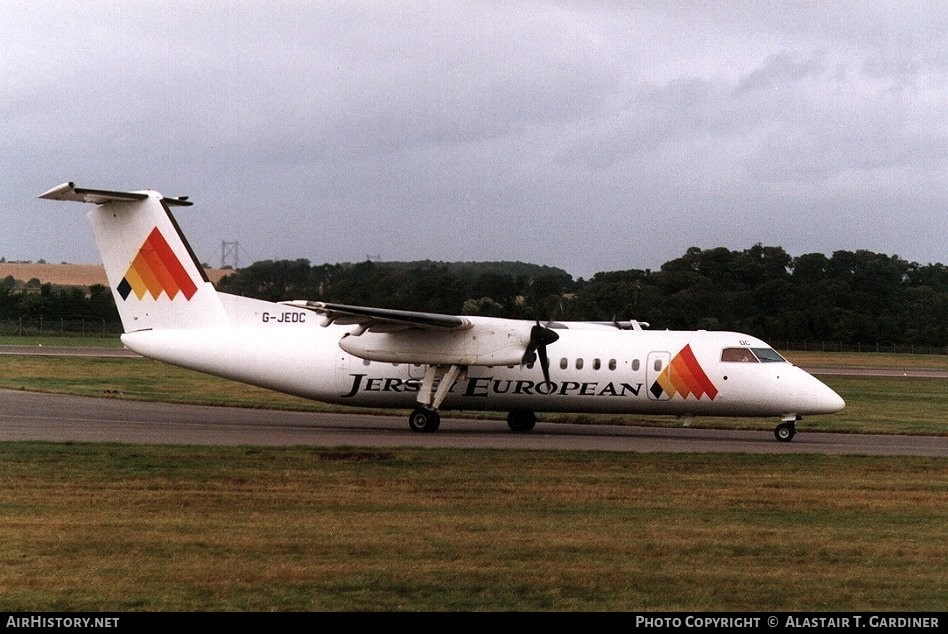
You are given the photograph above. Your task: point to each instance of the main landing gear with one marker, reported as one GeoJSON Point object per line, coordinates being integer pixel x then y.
{"type": "Point", "coordinates": [786, 430]}
{"type": "Point", "coordinates": [435, 387]}
{"type": "Point", "coordinates": [424, 419]}
{"type": "Point", "coordinates": [521, 421]}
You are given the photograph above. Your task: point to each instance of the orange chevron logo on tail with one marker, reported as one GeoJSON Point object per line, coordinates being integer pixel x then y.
{"type": "Point", "coordinates": [683, 376]}
{"type": "Point", "coordinates": [155, 269]}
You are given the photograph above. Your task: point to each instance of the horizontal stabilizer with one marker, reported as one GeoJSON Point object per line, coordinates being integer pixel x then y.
{"type": "Point", "coordinates": [69, 191]}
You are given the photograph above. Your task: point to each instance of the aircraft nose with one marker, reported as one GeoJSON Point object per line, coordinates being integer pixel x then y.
{"type": "Point", "coordinates": [825, 399]}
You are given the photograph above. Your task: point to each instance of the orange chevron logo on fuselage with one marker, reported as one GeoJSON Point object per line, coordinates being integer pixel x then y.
{"type": "Point", "coordinates": [155, 269]}
{"type": "Point", "coordinates": [683, 376]}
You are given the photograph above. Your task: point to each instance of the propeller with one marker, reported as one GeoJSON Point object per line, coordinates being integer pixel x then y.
{"type": "Point", "coordinates": [540, 338]}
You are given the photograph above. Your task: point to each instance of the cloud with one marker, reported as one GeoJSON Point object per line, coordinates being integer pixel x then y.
{"type": "Point", "coordinates": [590, 136]}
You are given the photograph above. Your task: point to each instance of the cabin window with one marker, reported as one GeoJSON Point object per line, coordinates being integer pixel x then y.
{"type": "Point", "coordinates": [612, 364]}
{"type": "Point", "coordinates": [564, 363]}
{"type": "Point", "coordinates": [738, 355]}
{"type": "Point", "coordinates": [366, 362]}
{"type": "Point", "coordinates": [597, 364]}
{"type": "Point", "coordinates": [657, 365]}
{"type": "Point", "coordinates": [579, 364]}
{"type": "Point", "coordinates": [635, 365]}
{"type": "Point", "coordinates": [767, 355]}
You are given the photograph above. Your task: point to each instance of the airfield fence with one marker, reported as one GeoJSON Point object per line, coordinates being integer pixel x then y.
{"type": "Point", "coordinates": [59, 328]}
{"type": "Point", "coordinates": [87, 328]}
{"type": "Point", "coordinates": [838, 346]}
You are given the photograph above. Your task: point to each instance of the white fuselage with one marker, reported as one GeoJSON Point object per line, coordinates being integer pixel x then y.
{"type": "Point", "coordinates": [596, 369]}
{"type": "Point", "coordinates": [376, 357]}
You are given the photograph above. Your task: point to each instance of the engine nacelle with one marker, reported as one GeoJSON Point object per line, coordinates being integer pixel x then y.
{"type": "Point", "coordinates": [488, 341]}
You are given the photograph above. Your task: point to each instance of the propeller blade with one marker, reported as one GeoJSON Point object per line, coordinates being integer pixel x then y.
{"type": "Point", "coordinates": [540, 337]}
{"type": "Point", "coordinates": [544, 363]}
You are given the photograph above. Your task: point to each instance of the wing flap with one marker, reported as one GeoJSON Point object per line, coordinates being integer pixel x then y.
{"type": "Point", "coordinates": [381, 319]}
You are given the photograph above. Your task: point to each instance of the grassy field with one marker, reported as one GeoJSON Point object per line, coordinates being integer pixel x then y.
{"type": "Point", "coordinates": [905, 405]}
{"type": "Point", "coordinates": [811, 359]}
{"type": "Point", "coordinates": [112, 527]}
{"type": "Point", "coordinates": [68, 341]}
{"type": "Point", "coordinates": [868, 360]}
{"type": "Point", "coordinates": [108, 527]}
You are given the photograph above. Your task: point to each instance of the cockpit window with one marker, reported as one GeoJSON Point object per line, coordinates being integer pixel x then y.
{"type": "Point", "coordinates": [767, 355]}
{"type": "Point", "coordinates": [751, 355]}
{"type": "Point", "coordinates": [740, 355]}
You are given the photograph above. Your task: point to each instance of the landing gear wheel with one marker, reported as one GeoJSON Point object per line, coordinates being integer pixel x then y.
{"type": "Point", "coordinates": [521, 421]}
{"type": "Point", "coordinates": [424, 419]}
{"type": "Point", "coordinates": [784, 432]}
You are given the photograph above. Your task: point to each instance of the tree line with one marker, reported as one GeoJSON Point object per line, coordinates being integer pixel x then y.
{"type": "Point", "coordinates": [33, 306]}
{"type": "Point", "coordinates": [851, 297]}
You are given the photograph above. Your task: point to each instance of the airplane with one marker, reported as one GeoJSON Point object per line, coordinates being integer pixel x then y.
{"type": "Point", "coordinates": [424, 362]}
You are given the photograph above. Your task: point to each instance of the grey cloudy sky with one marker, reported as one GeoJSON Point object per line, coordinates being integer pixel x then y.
{"type": "Point", "coordinates": [593, 136]}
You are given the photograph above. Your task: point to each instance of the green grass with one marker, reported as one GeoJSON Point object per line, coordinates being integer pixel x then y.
{"type": "Point", "coordinates": [868, 360]}
{"type": "Point", "coordinates": [904, 405]}
{"type": "Point", "coordinates": [136, 379]}
{"type": "Point", "coordinates": [888, 405]}
{"type": "Point", "coordinates": [110, 527]}
{"type": "Point", "coordinates": [104, 527]}
{"type": "Point", "coordinates": [67, 341]}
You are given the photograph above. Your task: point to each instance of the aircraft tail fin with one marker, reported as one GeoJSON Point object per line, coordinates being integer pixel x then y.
{"type": "Point", "coordinates": [156, 280]}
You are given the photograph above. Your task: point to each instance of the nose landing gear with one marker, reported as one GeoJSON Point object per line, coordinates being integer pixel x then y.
{"type": "Point", "coordinates": [786, 430]}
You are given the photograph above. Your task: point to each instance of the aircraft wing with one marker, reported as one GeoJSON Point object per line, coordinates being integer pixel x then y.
{"type": "Point", "coordinates": [381, 319]}
{"type": "Point", "coordinates": [404, 336]}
